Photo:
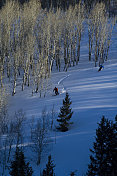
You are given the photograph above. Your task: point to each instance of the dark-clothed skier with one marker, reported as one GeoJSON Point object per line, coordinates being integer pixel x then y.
{"type": "Point", "coordinates": [100, 68]}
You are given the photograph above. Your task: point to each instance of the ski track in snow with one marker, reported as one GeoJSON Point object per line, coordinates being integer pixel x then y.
{"type": "Point", "coordinates": [62, 79]}
{"type": "Point", "coordinates": [64, 89]}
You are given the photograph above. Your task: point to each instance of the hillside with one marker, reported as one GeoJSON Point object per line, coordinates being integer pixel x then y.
{"type": "Point", "coordinates": [93, 94]}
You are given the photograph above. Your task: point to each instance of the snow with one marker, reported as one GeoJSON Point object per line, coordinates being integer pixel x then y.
{"type": "Point", "coordinates": [93, 95]}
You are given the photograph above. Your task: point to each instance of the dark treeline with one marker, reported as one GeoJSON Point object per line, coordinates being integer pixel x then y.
{"type": "Point", "coordinates": [48, 3]}
{"type": "Point", "coordinates": [3, 2]}
{"type": "Point", "coordinates": [64, 4]}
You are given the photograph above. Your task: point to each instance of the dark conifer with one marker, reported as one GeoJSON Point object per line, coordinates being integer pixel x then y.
{"type": "Point", "coordinates": [102, 160]}
{"type": "Point", "coordinates": [73, 173]}
{"type": "Point", "coordinates": [49, 170]}
{"type": "Point", "coordinates": [114, 149]}
{"type": "Point", "coordinates": [65, 114]}
{"type": "Point", "coordinates": [19, 167]}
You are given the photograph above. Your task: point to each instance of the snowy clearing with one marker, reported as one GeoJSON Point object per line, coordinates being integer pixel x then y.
{"type": "Point", "coordinates": [93, 94]}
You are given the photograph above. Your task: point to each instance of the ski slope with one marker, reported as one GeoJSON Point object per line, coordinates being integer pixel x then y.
{"type": "Point", "coordinates": [93, 95]}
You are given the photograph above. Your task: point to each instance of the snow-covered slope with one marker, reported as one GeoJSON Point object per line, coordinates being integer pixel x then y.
{"type": "Point", "coordinates": [93, 95]}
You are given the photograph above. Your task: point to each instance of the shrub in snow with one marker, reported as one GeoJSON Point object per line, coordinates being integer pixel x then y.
{"type": "Point", "coordinates": [65, 114]}
{"type": "Point", "coordinates": [39, 136]}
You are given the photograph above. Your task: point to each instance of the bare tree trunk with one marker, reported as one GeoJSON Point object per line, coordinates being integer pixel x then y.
{"type": "Point", "coordinates": [37, 88]}
{"type": "Point", "coordinates": [28, 80]}
{"type": "Point", "coordinates": [78, 54]}
{"type": "Point", "coordinates": [96, 54]}
{"type": "Point", "coordinates": [23, 81]}
{"type": "Point", "coordinates": [1, 79]}
{"type": "Point", "coordinates": [78, 50]}
{"type": "Point", "coordinates": [89, 48]}
{"type": "Point", "coordinates": [65, 59]}
{"type": "Point", "coordinates": [1, 74]}
{"type": "Point", "coordinates": [9, 153]}
{"type": "Point", "coordinates": [14, 85]}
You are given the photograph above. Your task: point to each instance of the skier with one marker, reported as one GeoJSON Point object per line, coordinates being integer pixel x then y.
{"type": "Point", "coordinates": [100, 68]}
{"type": "Point", "coordinates": [56, 91]}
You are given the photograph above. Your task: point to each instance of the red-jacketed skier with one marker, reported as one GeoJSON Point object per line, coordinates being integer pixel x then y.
{"type": "Point", "coordinates": [56, 91]}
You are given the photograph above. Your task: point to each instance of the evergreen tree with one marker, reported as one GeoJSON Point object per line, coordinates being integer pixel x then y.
{"type": "Point", "coordinates": [73, 173]}
{"type": "Point", "coordinates": [19, 167]}
{"type": "Point", "coordinates": [65, 114]}
{"type": "Point", "coordinates": [114, 149]}
{"type": "Point", "coordinates": [102, 160]}
{"type": "Point", "coordinates": [48, 171]}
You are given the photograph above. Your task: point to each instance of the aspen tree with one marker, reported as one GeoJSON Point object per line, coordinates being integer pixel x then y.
{"type": "Point", "coordinates": [6, 17]}
{"type": "Point", "coordinates": [109, 31]}
{"type": "Point", "coordinates": [98, 13]}
{"type": "Point", "coordinates": [65, 34]}
{"type": "Point", "coordinates": [80, 17]}
{"type": "Point", "coordinates": [99, 30]}
{"type": "Point", "coordinates": [72, 36]}
{"type": "Point", "coordinates": [90, 34]}
{"type": "Point", "coordinates": [68, 25]}
{"type": "Point", "coordinates": [57, 37]}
